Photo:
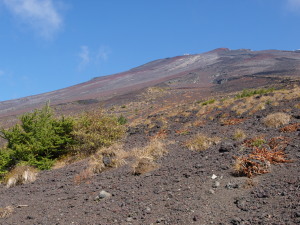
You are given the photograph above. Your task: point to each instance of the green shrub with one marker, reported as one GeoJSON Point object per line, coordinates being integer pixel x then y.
{"type": "Point", "coordinates": [38, 140]}
{"type": "Point", "coordinates": [122, 120]}
{"type": "Point", "coordinates": [6, 160]}
{"type": "Point", "coordinates": [94, 130]}
{"type": "Point", "coordinates": [210, 101]}
{"type": "Point", "coordinates": [251, 92]}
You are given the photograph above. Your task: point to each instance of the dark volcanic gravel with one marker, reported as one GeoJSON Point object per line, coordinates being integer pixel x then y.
{"type": "Point", "coordinates": [188, 188]}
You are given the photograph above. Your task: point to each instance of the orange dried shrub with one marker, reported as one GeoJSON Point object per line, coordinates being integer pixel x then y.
{"type": "Point", "coordinates": [255, 141]}
{"type": "Point", "coordinates": [161, 134]}
{"type": "Point", "coordinates": [263, 154]}
{"type": "Point", "coordinates": [278, 143]}
{"type": "Point", "coordinates": [290, 128]}
{"type": "Point", "coordinates": [182, 132]}
{"type": "Point", "coordinates": [261, 158]}
{"type": "Point", "coordinates": [246, 166]}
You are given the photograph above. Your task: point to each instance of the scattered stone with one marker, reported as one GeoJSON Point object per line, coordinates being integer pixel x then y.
{"type": "Point", "coordinates": [226, 147]}
{"type": "Point", "coordinates": [148, 210]}
{"type": "Point", "coordinates": [211, 191]}
{"type": "Point", "coordinates": [160, 220]}
{"type": "Point", "coordinates": [107, 161]}
{"type": "Point", "coordinates": [214, 176]}
{"type": "Point", "coordinates": [260, 193]}
{"type": "Point", "coordinates": [129, 219]}
{"type": "Point", "coordinates": [20, 206]}
{"type": "Point", "coordinates": [102, 195]}
{"type": "Point", "coordinates": [198, 166]}
{"type": "Point", "coordinates": [231, 186]}
{"type": "Point", "coordinates": [216, 184]}
{"type": "Point", "coordinates": [195, 218]}
{"type": "Point", "coordinates": [236, 221]}
{"type": "Point", "coordinates": [241, 203]}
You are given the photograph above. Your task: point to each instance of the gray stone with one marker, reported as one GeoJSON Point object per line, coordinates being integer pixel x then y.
{"type": "Point", "coordinates": [102, 195]}
{"type": "Point", "coordinates": [216, 184]}
{"type": "Point", "coordinates": [226, 147]}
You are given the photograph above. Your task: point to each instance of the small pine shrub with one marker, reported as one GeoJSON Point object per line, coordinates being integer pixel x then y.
{"type": "Point", "coordinates": [38, 140]}
{"type": "Point", "coordinates": [122, 120]}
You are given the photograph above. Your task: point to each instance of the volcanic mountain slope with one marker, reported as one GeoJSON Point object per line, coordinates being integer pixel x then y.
{"type": "Point", "coordinates": [230, 159]}
{"type": "Point", "coordinates": [210, 69]}
{"type": "Point", "coordinates": [197, 150]}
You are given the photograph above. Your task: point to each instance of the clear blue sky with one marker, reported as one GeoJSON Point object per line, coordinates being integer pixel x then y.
{"type": "Point", "coordinates": [51, 44]}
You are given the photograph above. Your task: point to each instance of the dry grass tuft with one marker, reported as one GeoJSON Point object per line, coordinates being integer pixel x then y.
{"type": "Point", "coordinates": [111, 157]}
{"type": "Point", "coordinates": [277, 119]}
{"type": "Point", "coordinates": [153, 151]}
{"type": "Point", "coordinates": [233, 121]}
{"type": "Point", "coordinates": [239, 135]}
{"type": "Point", "coordinates": [6, 212]}
{"type": "Point", "coordinates": [20, 175]}
{"type": "Point", "coordinates": [144, 165]}
{"type": "Point", "coordinates": [201, 142]}
{"type": "Point", "coordinates": [145, 157]}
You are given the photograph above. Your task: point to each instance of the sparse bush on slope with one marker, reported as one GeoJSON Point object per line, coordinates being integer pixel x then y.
{"type": "Point", "coordinates": [250, 92]}
{"type": "Point", "coordinates": [94, 130]}
{"type": "Point", "coordinates": [40, 138]}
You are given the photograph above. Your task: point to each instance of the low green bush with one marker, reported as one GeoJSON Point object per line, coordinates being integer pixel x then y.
{"type": "Point", "coordinates": [37, 140]}
{"type": "Point", "coordinates": [40, 138]}
{"type": "Point", "coordinates": [210, 101]}
{"type": "Point", "coordinates": [94, 130]}
{"type": "Point", "coordinates": [251, 92]}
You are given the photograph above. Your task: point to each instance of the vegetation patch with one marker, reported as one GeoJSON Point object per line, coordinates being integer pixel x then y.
{"type": "Point", "coordinates": [94, 130]}
{"type": "Point", "coordinates": [239, 135]}
{"type": "Point", "coordinates": [257, 141]}
{"type": "Point", "coordinates": [41, 138]}
{"type": "Point", "coordinates": [6, 212]}
{"type": "Point", "coordinates": [37, 141]}
{"type": "Point", "coordinates": [250, 92]}
{"type": "Point", "coordinates": [208, 102]}
{"type": "Point", "coordinates": [232, 121]}
{"type": "Point", "coordinates": [260, 159]}
{"type": "Point", "coordinates": [111, 157]}
{"type": "Point", "coordinates": [20, 175]}
{"type": "Point", "coordinates": [277, 119]}
{"type": "Point", "coordinates": [290, 128]}
{"type": "Point", "coordinates": [201, 142]}
{"type": "Point", "coordinates": [145, 158]}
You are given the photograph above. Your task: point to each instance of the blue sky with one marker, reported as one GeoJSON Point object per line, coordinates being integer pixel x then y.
{"type": "Point", "coordinates": [46, 45]}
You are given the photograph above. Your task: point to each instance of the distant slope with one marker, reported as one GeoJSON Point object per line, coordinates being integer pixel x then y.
{"type": "Point", "coordinates": [201, 70]}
